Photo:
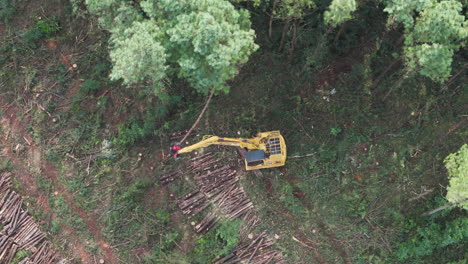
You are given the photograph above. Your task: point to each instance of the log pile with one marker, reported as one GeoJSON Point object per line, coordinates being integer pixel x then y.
{"type": "Point", "coordinates": [249, 222]}
{"type": "Point", "coordinates": [170, 177]}
{"type": "Point", "coordinates": [7, 249]}
{"type": "Point", "coordinates": [5, 182]}
{"type": "Point", "coordinates": [45, 254]}
{"type": "Point", "coordinates": [193, 203]}
{"type": "Point", "coordinates": [207, 223]}
{"type": "Point", "coordinates": [202, 163]}
{"type": "Point", "coordinates": [218, 185]}
{"type": "Point", "coordinates": [19, 229]}
{"type": "Point", "coordinates": [254, 251]}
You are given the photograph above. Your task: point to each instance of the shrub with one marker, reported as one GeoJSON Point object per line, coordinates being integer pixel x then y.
{"type": "Point", "coordinates": [42, 29]}
{"type": "Point", "coordinates": [20, 255]}
{"type": "Point", "coordinates": [90, 86]}
{"type": "Point", "coordinates": [7, 9]}
{"type": "Point", "coordinates": [435, 236]}
{"type": "Point", "coordinates": [216, 243]}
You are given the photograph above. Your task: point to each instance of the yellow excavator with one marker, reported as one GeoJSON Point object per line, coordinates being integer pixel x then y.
{"type": "Point", "coordinates": [266, 150]}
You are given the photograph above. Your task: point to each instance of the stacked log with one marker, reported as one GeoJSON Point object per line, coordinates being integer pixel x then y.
{"type": "Point", "coordinates": [193, 203]}
{"type": "Point", "coordinates": [18, 225]}
{"type": "Point", "coordinates": [219, 186]}
{"type": "Point", "coordinates": [255, 251]}
{"type": "Point", "coordinates": [19, 229]}
{"type": "Point", "coordinates": [214, 182]}
{"type": "Point", "coordinates": [44, 255]}
{"type": "Point", "coordinates": [170, 177]}
{"type": "Point", "coordinates": [210, 220]}
{"type": "Point", "coordinates": [10, 211]}
{"type": "Point", "coordinates": [28, 235]}
{"type": "Point", "coordinates": [249, 222]}
{"type": "Point", "coordinates": [202, 162]}
{"type": "Point", "coordinates": [7, 249]}
{"type": "Point", "coordinates": [5, 182]}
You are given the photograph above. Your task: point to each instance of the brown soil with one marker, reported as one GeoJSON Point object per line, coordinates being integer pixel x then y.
{"type": "Point", "coordinates": [332, 239]}
{"type": "Point", "coordinates": [188, 234]}
{"type": "Point", "coordinates": [15, 130]}
{"type": "Point", "coordinates": [294, 223]}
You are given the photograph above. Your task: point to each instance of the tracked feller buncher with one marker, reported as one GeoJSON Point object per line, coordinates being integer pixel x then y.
{"type": "Point", "coordinates": [266, 150]}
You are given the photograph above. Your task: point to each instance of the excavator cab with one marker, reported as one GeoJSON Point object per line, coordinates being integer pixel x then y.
{"type": "Point", "coordinates": [266, 150]}
{"type": "Point", "coordinates": [254, 157]}
{"type": "Point", "coordinates": [271, 152]}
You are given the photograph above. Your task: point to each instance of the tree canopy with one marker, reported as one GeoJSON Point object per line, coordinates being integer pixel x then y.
{"type": "Point", "coordinates": [138, 55]}
{"type": "Point", "coordinates": [209, 40]}
{"type": "Point", "coordinates": [293, 9]}
{"type": "Point", "coordinates": [457, 167]}
{"type": "Point", "coordinates": [203, 41]}
{"type": "Point", "coordinates": [432, 36]}
{"type": "Point", "coordinates": [114, 15]}
{"type": "Point", "coordinates": [370, 97]}
{"type": "Point", "coordinates": [339, 11]}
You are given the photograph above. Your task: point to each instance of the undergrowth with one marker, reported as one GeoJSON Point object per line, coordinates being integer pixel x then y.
{"type": "Point", "coordinates": [368, 153]}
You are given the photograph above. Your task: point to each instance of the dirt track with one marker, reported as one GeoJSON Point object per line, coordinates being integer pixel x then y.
{"type": "Point", "coordinates": [13, 130]}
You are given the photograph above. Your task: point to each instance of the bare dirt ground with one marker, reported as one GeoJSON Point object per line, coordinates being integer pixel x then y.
{"type": "Point", "coordinates": [333, 240]}
{"type": "Point", "coordinates": [300, 237]}
{"type": "Point", "coordinates": [14, 135]}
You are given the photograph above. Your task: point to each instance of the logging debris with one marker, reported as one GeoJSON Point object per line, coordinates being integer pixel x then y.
{"type": "Point", "coordinates": [218, 187]}
{"type": "Point", "coordinates": [19, 230]}
{"type": "Point", "coordinates": [255, 251]}
{"type": "Point", "coordinates": [168, 178]}
{"type": "Point", "coordinates": [181, 134]}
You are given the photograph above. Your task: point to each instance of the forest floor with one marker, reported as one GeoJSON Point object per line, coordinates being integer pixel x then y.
{"type": "Point", "coordinates": [26, 156]}
{"type": "Point", "coordinates": [344, 200]}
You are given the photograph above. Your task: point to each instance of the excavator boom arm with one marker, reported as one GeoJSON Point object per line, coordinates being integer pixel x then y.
{"type": "Point", "coordinates": [215, 140]}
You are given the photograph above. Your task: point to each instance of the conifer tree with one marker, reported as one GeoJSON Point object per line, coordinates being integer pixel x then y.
{"type": "Point", "coordinates": [203, 41]}
{"type": "Point", "coordinates": [457, 167]}
{"type": "Point", "coordinates": [339, 11]}
{"type": "Point", "coordinates": [431, 37]}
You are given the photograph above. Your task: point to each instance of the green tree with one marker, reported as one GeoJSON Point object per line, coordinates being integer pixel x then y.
{"type": "Point", "coordinates": [209, 41]}
{"type": "Point", "coordinates": [292, 12]}
{"type": "Point", "coordinates": [432, 60]}
{"type": "Point", "coordinates": [228, 231]}
{"type": "Point", "coordinates": [284, 9]}
{"type": "Point", "coordinates": [203, 41]}
{"type": "Point", "coordinates": [457, 167]}
{"type": "Point", "coordinates": [340, 11]}
{"type": "Point", "coordinates": [138, 55]}
{"type": "Point", "coordinates": [430, 238]}
{"type": "Point", "coordinates": [114, 15]}
{"type": "Point", "coordinates": [216, 243]}
{"type": "Point", "coordinates": [289, 12]}
{"type": "Point", "coordinates": [292, 9]}
{"type": "Point", "coordinates": [431, 37]}
{"type": "Point", "coordinates": [404, 11]}
{"type": "Point", "coordinates": [7, 9]}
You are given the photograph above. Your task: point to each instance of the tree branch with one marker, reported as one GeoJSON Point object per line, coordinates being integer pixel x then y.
{"type": "Point", "coordinates": [198, 119]}
{"type": "Point", "coordinates": [437, 210]}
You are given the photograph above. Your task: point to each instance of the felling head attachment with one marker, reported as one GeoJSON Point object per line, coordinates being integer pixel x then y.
{"type": "Point", "coordinates": [175, 150]}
